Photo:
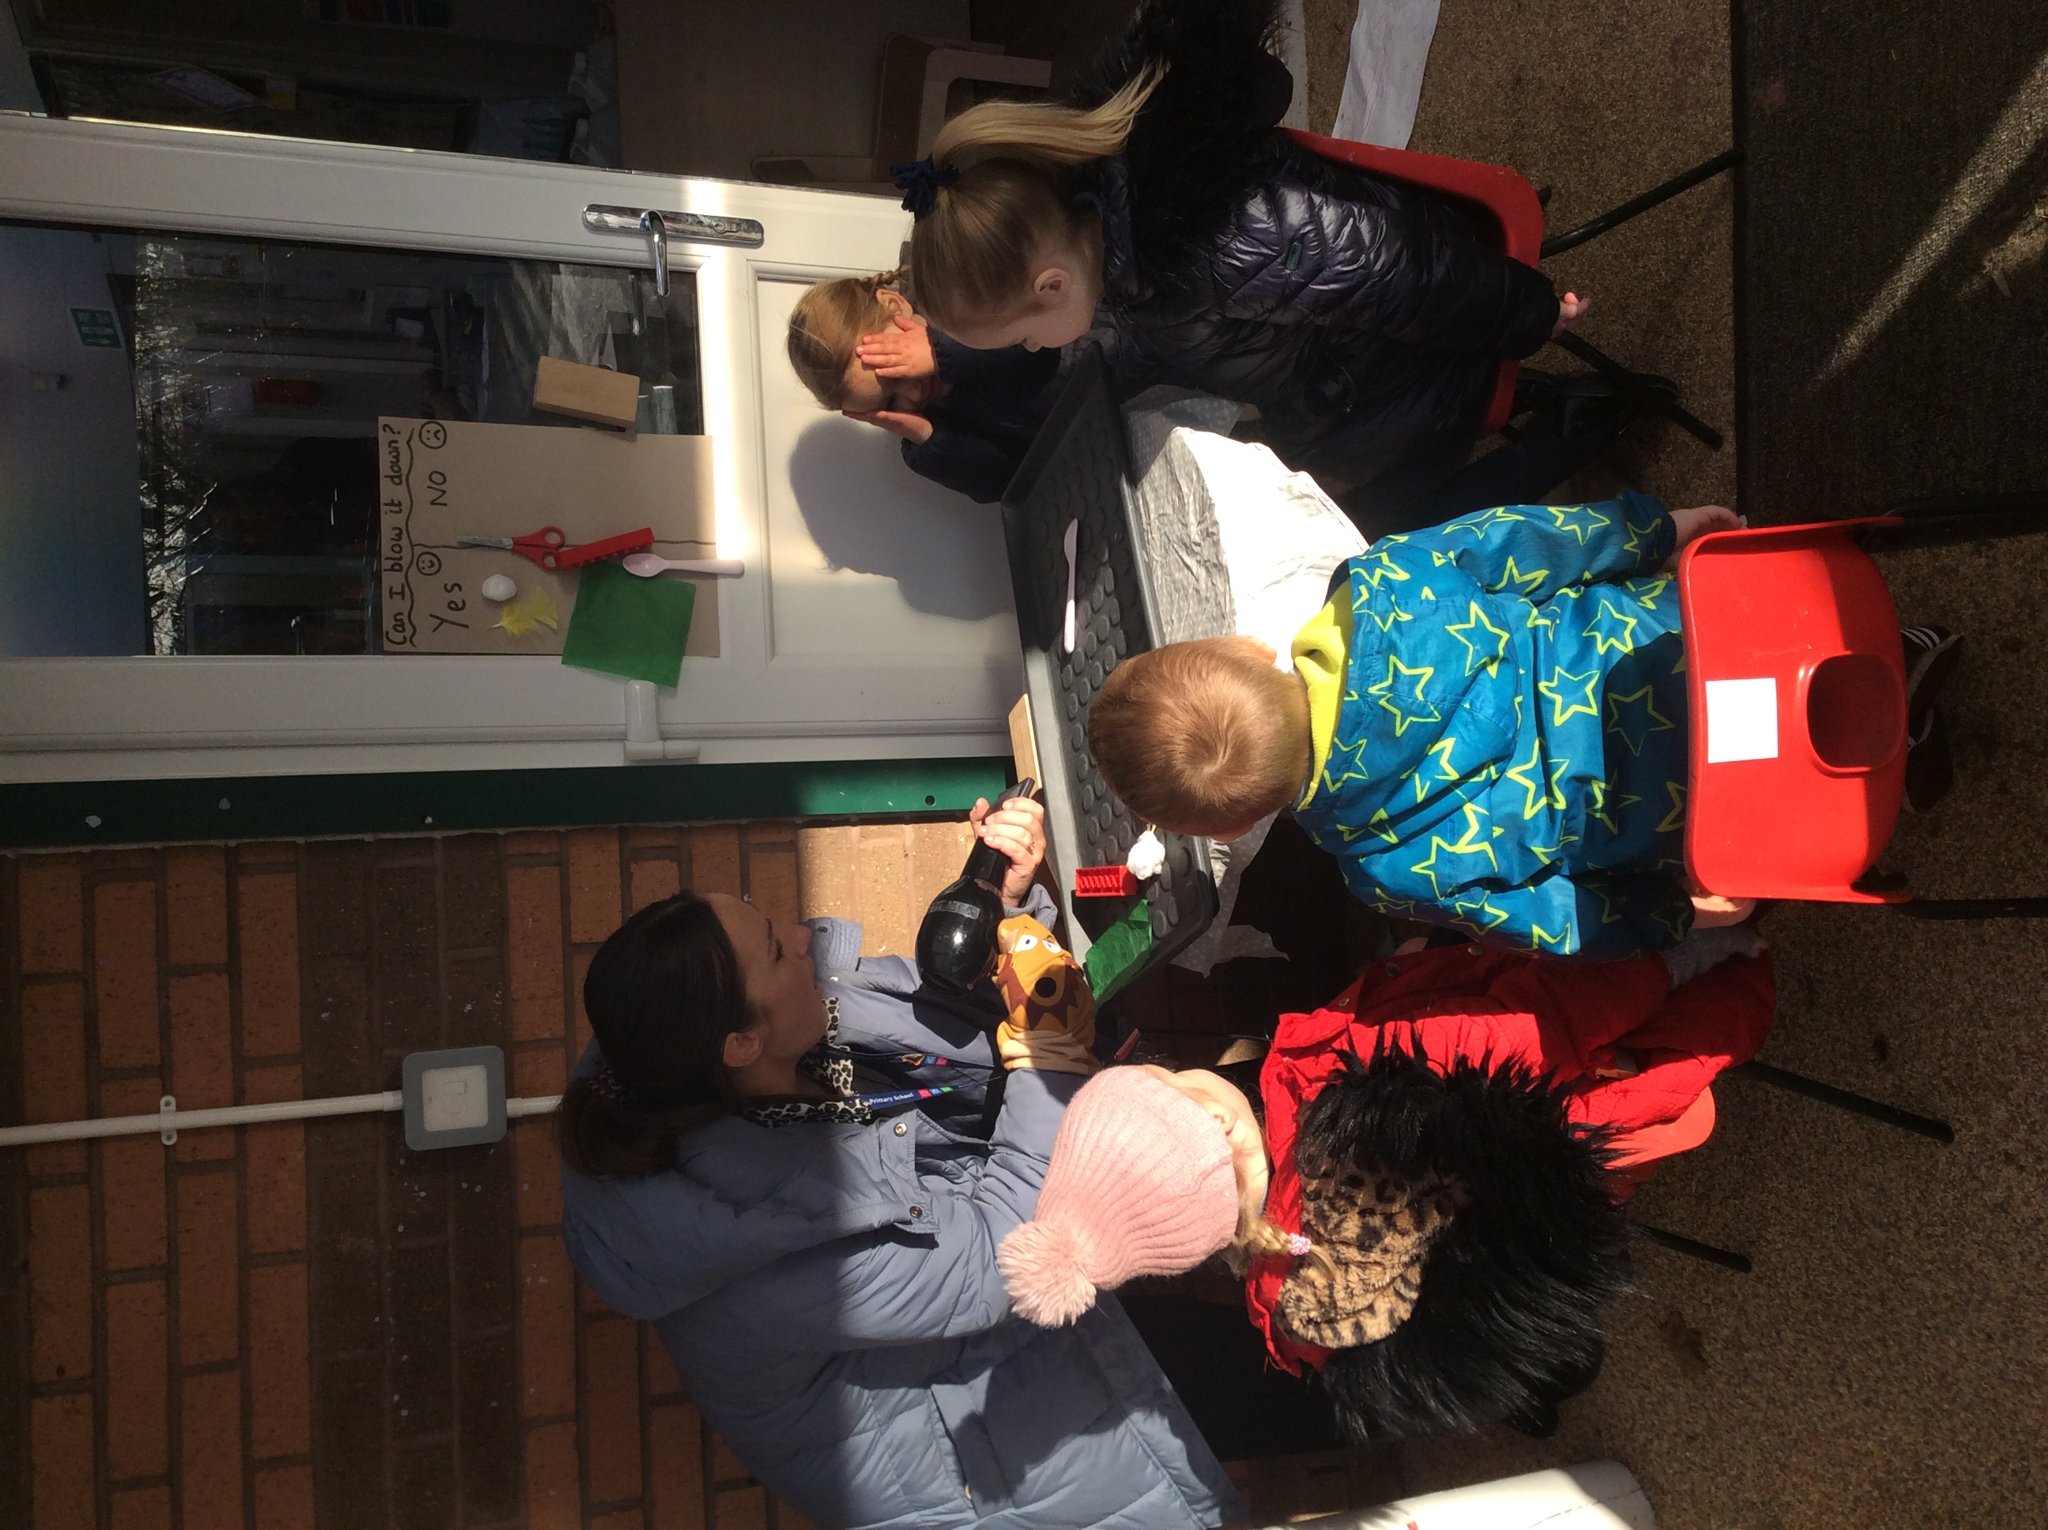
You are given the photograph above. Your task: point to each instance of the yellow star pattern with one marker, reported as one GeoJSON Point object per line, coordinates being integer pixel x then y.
{"type": "Point", "coordinates": [1478, 913]}
{"type": "Point", "coordinates": [1526, 585]}
{"type": "Point", "coordinates": [1579, 520]}
{"type": "Point", "coordinates": [1478, 651]}
{"type": "Point", "coordinates": [1379, 564]}
{"type": "Point", "coordinates": [1634, 728]}
{"type": "Point", "coordinates": [1393, 692]}
{"type": "Point", "coordinates": [1648, 592]}
{"type": "Point", "coordinates": [1474, 816]}
{"type": "Point", "coordinates": [1445, 771]}
{"type": "Point", "coordinates": [1351, 757]}
{"type": "Point", "coordinates": [1599, 809]}
{"type": "Point", "coordinates": [1499, 515]}
{"type": "Point", "coordinates": [1605, 641]}
{"type": "Point", "coordinates": [1675, 819]}
{"type": "Point", "coordinates": [1540, 937]}
{"type": "Point", "coordinates": [1564, 706]}
{"type": "Point", "coordinates": [1529, 775]}
{"type": "Point", "coordinates": [1676, 918]}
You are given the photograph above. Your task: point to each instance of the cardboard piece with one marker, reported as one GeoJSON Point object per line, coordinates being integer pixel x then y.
{"type": "Point", "coordinates": [1024, 741]}
{"type": "Point", "coordinates": [438, 480]}
{"type": "Point", "coordinates": [596, 394]}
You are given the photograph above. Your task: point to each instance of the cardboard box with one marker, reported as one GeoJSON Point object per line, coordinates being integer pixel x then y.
{"type": "Point", "coordinates": [596, 394]}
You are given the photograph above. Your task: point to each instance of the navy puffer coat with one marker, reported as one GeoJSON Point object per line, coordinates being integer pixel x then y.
{"type": "Point", "coordinates": [1339, 303]}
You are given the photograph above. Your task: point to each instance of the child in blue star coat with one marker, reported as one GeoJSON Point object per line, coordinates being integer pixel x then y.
{"type": "Point", "coordinates": [1486, 725]}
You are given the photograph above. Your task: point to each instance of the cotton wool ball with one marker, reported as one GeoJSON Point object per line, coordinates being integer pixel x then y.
{"type": "Point", "coordinates": [500, 587]}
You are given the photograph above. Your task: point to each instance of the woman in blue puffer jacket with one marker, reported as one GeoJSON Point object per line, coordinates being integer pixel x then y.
{"type": "Point", "coordinates": [818, 1256]}
{"type": "Point", "coordinates": [1162, 211]}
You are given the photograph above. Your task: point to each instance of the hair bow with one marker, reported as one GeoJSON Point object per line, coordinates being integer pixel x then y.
{"type": "Point", "coordinates": [920, 181]}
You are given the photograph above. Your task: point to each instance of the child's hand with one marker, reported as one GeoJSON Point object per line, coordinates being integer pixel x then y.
{"type": "Point", "coordinates": [1710, 910]}
{"type": "Point", "coordinates": [1697, 522]}
{"type": "Point", "coordinates": [905, 350]}
{"type": "Point", "coordinates": [1570, 309]}
{"type": "Point", "coordinates": [914, 428]}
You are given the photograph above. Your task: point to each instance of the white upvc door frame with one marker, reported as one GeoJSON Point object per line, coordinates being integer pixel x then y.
{"type": "Point", "coordinates": [128, 718]}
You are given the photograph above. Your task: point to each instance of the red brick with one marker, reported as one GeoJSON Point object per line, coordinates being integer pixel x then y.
{"type": "Point", "coordinates": [138, 1381]}
{"type": "Point", "coordinates": [554, 1492]}
{"type": "Point", "coordinates": [60, 1282]}
{"type": "Point", "coordinates": [50, 1160]}
{"type": "Point", "coordinates": [266, 852]}
{"type": "Point", "coordinates": [772, 881]}
{"type": "Point", "coordinates": [196, 905]}
{"type": "Point", "coordinates": [547, 1319]}
{"type": "Point", "coordinates": [593, 884]}
{"type": "Point", "coordinates": [662, 1380]}
{"type": "Point", "coordinates": [620, 1519]}
{"type": "Point", "coordinates": [284, 1498]}
{"type": "Point", "coordinates": [124, 973]}
{"type": "Point", "coordinates": [536, 1172]}
{"type": "Point", "coordinates": [145, 1508]}
{"type": "Point", "coordinates": [611, 1408]}
{"type": "Point", "coordinates": [267, 932]}
{"type": "Point", "coordinates": [715, 860]}
{"type": "Point", "coordinates": [60, 1448]}
{"type": "Point", "coordinates": [132, 1180]}
{"type": "Point", "coordinates": [538, 1071]}
{"type": "Point", "coordinates": [675, 1446]}
{"type": "Point", "coordinates": [530, 842]}
{"type": "Point", "coordinates": [280, 1364]}
{"type": "Point", "coordinates": [209, 1298]}
{"type": "Point", "coordinates": [787, 1518]}
{"type": "Point", "coordinates": [533, 925]}
{"type": "Point", "coordinates": [652, 836]}
{"type": "Point", "coordinates": [210, 1449]}
{"type": "Point", "coordinates": [202, 1059]}
{"type": "Point", "coordinates": [654, 880]}
{"type": "Point", "coordinates": [588, 1300]}
{"type": "Point", "coordinates": [53, 1051]}
{"type": "Point", "coordinates": [579, 969]}
{"type": "Point", "coordinates": [274, 1155]}
{"type": "Point", "coordinates": [742, 1509]}
{"type": "Point", "coordinates": [725, 1466]}
{"type": "Point", "coordinates": [52, 918]}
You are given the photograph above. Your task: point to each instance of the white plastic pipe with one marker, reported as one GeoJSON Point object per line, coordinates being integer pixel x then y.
{"type": "Point", "coordinates": [168, 1121]}
{"type": "Point", "coordinates": [1600, 1495]}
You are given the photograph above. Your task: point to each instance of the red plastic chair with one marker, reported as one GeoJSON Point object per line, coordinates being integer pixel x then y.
{"type": "Point", "coordinates": [1511, 216]}
{"type": "Point", "coordinates": [1796, 687]}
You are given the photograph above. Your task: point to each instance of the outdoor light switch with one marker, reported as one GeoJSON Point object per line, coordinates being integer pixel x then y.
{"type": "Point", "coordinates": [454, 1098]}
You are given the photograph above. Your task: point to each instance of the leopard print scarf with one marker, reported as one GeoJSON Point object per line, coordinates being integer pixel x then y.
{"type": "Point", "coordinates": [831, 1065]}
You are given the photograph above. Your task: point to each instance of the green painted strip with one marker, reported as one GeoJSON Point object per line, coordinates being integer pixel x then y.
{"type": "Point", "coordinates": [54, 815]}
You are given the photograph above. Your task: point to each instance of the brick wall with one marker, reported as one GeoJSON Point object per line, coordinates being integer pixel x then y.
{"type": "Point", "coordinates": [299, 1325]}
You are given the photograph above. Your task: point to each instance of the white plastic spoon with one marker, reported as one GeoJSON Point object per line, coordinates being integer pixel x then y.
{"type": "Point", "coordinates": [1071, 542]}
{"type": "Point", "coordinates": [647, 565]}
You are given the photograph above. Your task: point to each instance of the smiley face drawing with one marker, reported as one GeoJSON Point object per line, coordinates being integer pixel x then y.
{"type": "Point", "coordinates": [1042, 985]}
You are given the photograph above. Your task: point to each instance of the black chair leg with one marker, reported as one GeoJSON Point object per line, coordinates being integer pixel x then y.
{"type": "Point", "coordinates": [1953, 518]}
{"type": "Point", "coordinates": [1842, 1099]}
{"type": "Point", "coordinates": [1671, 409]}
{"type": "Point", "coordinates": [1593, 228]}
{"type": "Point", "coordinates": [1678, 1243]}
{"type": "Point", "coordinates": [1974, 908]}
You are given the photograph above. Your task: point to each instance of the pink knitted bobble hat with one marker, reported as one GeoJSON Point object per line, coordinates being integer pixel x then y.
{"type": "Point", "coordinates": [1140, 1183]}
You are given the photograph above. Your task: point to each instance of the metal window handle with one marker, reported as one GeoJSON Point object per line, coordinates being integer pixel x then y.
{"type": "Point", "coordinates": [659, 227]}
{"type": "Point", "coordinates": [655, 228]}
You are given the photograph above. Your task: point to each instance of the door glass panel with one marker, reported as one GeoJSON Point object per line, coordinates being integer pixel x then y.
{"type": "Point", "coordinates": [190, 465]}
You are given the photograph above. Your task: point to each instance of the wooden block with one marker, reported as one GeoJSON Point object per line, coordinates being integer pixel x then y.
{"type": "Point", "coordinates": [597, 394]}
{"type": "Point", "coordinates": [1024, 741]}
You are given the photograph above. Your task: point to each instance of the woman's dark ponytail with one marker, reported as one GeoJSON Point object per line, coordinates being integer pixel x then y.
{"type": "Point", "coordinates": [662, 994]}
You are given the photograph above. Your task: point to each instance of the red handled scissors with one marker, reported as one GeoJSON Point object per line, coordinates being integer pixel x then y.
{"type": "Point", "coordinates": [551, 550]}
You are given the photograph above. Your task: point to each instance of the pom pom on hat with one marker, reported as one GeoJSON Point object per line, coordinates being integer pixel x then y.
{"type": "Point", "coordinates": [1140, 1183]}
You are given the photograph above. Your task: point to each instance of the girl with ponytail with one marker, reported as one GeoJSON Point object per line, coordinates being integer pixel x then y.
{"type": "Point", "coordinates": [965, 417]}
{"type": "Point", "coordinates": [1363, 317]}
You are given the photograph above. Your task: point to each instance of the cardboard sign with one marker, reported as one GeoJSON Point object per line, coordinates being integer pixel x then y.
{"type": "Point", "coordinates": [439, 480]}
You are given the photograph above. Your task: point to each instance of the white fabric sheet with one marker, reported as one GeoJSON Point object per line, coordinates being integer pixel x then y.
{"type": "Point", "coordinates": [1389, 51]}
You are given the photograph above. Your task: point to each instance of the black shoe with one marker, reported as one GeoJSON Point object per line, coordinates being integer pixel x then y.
{"type": "Point", "coordinates": [1930, 768]}
{"type": "Point", "coordinates": [1931, 654]}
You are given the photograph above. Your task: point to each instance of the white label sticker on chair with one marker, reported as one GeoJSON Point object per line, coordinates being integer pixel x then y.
{"type": "Point", "coordinates": [1742, 720]}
